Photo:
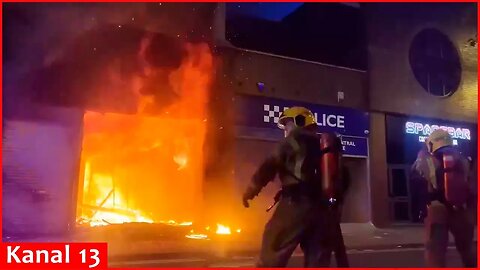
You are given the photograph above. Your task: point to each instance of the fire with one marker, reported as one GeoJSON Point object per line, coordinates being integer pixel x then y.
{"type": "Point", "coordinates": [181, 160]}
{"type": "Point", "coordinates": [148, 166]}
{"type": "Point", "coordinates": [221, 229]}
{"type": "Point", "coordinates": [197, 236]}
{"type": "Point", "coordinates": [174, 223]}
{"type": "Point", "coordinates": [110, 206]}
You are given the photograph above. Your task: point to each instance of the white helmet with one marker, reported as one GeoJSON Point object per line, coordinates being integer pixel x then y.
{"type": "Point", "coordinates": [438, 138]}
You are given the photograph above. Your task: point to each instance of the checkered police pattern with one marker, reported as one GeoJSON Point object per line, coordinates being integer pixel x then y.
{"type": "Point", "coordinates": [272, 113]}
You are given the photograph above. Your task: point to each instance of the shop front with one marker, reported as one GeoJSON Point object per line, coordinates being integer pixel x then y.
{"type": "Point", "coordinates": [405, 136]}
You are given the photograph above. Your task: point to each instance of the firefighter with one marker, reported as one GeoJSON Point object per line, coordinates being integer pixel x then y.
{"type": "Point", "coordinates": [446, 172]}
{"type": "Point", "coordinates": [297, 218]}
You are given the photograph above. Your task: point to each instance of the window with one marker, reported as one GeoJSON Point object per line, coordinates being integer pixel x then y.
{"type": "Point", "coordinates": [401, 211]}
{"type": "Point", "coordinates": [330, 33]}
{"type": "Point", "coordinates": [435, 62]}
{"type": "Point", "coordinates": [399, 183]}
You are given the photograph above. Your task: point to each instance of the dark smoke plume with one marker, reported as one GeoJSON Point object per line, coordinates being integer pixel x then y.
{"type": "Point", "coordinates": [65, 53]}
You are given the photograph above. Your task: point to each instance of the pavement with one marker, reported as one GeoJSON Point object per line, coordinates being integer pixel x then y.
{"type": "Point", "coordinates": [368, 247]}
{"type": "Point", "coordinates": [147, 245]}
{"type": "Point", "coordinates": [357, 236]}
{"type": "Point", "coordinates": [400, 258]}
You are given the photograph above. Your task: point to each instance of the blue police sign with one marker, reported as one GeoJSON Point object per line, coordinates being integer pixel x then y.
{"type": "Point", "coordinates": [263, 112]}
{"type": "Point", "coordinates": [355, 146]}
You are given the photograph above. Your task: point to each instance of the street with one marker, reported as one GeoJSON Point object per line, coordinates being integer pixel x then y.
{"type": "Point", "coordinates": [398, 257]}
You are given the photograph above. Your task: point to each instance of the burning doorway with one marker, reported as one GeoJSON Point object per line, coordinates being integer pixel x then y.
{"type": "Point", "coordinates": [140, 169]}
{"type": "Point", "coordinates": [148, 166]}
{"type": "Point", "coordinates": [142, 86]}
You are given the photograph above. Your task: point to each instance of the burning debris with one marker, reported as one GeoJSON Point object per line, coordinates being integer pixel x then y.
{"type": "Point", "coordinates": [148, 166]}
{"type": "Point", "coordinates": [221, 230]}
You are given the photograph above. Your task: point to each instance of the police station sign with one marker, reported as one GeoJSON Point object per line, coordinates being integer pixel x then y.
{"type": "Point", "coordinates": [272, 114]}
{"type": "Point", "coordinates": [352, 125]}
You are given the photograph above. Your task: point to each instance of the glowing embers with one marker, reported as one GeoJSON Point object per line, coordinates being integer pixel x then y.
{"type": "Point", "coordinates": [110, 206]}
{"type": "Point", "coordinates": [197, 236]}
{"type": "Point", "coordinates": [221, 229]}
{"type": "Point", "coordinates": [206, 233]}
{"type": "Point", "coordinates": [141, 169]}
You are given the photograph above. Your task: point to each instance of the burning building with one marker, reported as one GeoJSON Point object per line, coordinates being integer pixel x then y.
{"type": "Point", "coordinates": [148, 167]}
{"type": "Point", "coordinates": [118, 129]}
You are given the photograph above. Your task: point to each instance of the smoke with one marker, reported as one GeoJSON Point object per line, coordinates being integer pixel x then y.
{"type": "Point", "coordinates": [66, 53]}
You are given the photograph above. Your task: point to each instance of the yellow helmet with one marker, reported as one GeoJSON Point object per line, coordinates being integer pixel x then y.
{"type": "Point", "coordinates": [438, 138]}
{"type": "Point", "coordinates": [302, 117]}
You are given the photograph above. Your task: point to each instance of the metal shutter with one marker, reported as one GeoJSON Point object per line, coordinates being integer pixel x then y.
{"type": "Point", "coordinates": [40, 166]}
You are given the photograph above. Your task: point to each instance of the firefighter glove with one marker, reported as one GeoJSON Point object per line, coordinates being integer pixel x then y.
{"type": "Point", "coordinates": [249, 194]}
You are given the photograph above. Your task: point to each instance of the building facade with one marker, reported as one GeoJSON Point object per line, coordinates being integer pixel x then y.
{"type": "Point", "coordinates": [408, 67]}
{"type": "Point", "coordinates": [380, 75]}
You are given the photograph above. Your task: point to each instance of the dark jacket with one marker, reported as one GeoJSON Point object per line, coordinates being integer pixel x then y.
{"type": "Point", "coordinates": [430, 168]}
{"type": "Point", "coordinates": [295, 161]}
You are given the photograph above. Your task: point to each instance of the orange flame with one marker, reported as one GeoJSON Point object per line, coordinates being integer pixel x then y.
{"type": "Point", "coordinates": [222, 229]}
{"type": "Point", "coordinates": [144, 167]}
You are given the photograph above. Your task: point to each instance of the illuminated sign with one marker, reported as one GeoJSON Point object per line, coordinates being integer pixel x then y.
{"type": "Point", "coordinates": [354, 146]}
{"type": "Point", "coordinates": [339, 120]}
{"type": "Point", "coordinates": [326, 120]}
{"type": "Point", "coordinates": [264, 113]}
{"type": "Point", "coordinates": [335, 121]}
{"type": "Point", "coordinates": [424, 130]}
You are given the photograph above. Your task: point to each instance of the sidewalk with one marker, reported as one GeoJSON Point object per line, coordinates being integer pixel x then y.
{"type": "Point", "coordinates": [367, 236]}
{"type": "Point", "coordinates": [357, 236]}
{"type": "Point", "coordinates": [142, 241]}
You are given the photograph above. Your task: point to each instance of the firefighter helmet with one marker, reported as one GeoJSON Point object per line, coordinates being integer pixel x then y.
{"type": "Point", "coordinates": [438, 138]}
{"type": "Point", "coordinates": [301, 117]}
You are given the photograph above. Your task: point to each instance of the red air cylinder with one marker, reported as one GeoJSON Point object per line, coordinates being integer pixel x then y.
{"type": "Point", "coordinates": [329, 165]}
{"type": "Point", "coordinates": [454, 180]}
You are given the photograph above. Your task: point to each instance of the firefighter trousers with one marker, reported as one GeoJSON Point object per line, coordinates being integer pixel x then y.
{"type": "Point", "coordinates": [439, 222]}
{"type": "Point", "coordinates": [335, 240]}
{"type": "Point", "coordinates": [295, 222]}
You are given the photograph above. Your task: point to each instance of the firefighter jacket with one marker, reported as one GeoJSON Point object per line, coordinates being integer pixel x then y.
{"type": "Point", "coordinates": [296, 161]}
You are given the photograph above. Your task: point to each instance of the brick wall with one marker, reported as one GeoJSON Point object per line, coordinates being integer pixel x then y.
{"type": "Point", "coordinates": [293, 79]}
{"type": "Point", "coordinates": [392, 85]}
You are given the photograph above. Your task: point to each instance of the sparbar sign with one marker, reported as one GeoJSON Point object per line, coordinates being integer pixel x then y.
{"type": "Point", "coordinates": [424, 130]}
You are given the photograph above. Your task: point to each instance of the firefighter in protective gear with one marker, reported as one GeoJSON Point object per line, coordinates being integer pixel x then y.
{"type": "Point", "coordinates": [446, 172]}
{"type": "Point", "coordinates": [297, 218]}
